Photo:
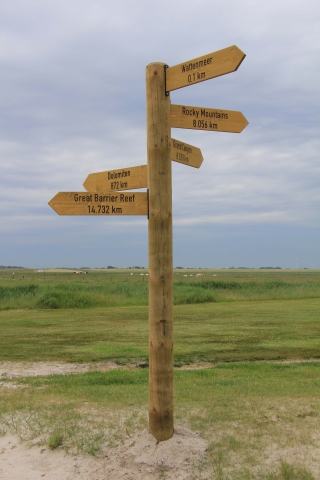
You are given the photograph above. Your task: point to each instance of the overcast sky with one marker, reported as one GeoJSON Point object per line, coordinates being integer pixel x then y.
{"type": "Point", "coordinates": [73, 103]}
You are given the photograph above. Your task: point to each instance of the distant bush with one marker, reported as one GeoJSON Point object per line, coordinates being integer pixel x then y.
{"type": "Point", "coordinates": [249, 290]}
{"type": "Point", "coordinates": [245, 286]}
{"type": "Point", "coordinates": [63, 299]}
{"type": "Point", "coordinates": [185, 294]}
{"type": "Point", "coordinates": [213, 285]}
{"type": "Point", "coordinates": [18, 291]}
{"type": "Point", "coordinates": [122, 293]}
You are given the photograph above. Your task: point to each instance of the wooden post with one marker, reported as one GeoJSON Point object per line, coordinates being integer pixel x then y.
{"type": "Point", "coordinates": [160, 255]}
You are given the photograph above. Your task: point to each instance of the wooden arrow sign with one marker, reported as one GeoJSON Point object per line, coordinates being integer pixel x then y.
{"type": "Point", "coordinates": [215, 120]}
{"type": "Point", "coordinates": [187, 154]}
{"type": "Point", "coordinates": [92, 203]}
{"type": "Point", "coordinates": [203, 68]}
{"type": "Point", "coordinates": [122, 179]}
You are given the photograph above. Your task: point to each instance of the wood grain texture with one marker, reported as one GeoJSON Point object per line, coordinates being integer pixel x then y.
{"type": "Point", "coordinates": [209, 119]}
{"type": "Point", "coordinates": [182, 152]}
{"type": "Point", "coordinates": [106, 204]}
{"type": "Point", "coordinates": [160, 255]}
{"type": "Point", "coordinates": [121, 179]}
{"type": "Point", "coordinates": [204, 68]}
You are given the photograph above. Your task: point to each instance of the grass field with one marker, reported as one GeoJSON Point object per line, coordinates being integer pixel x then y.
{"type": "Point", "coordinates": [256, 331]}
{"type": "Point", "coordinates": [56, 290]}
{"type": "Point", "coordinates": [238, 331]}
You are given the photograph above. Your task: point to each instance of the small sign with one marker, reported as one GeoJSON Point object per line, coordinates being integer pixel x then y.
{"type": "Point", "coordinates": [122, 179]}
{"type": "Point", "coordinates": [203, 68]}
{"type": "Point", "coordinates": [187, 154]}
{"type": "Point", "coordinates": [210, 119]}
{"type": "Point", "coordinates": [93, 203]}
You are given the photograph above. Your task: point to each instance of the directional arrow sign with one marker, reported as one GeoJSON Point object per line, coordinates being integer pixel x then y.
{"type": "Point", "coordinates": [92, 203]}
{"type": "Point", "coordinates": [187, 154]}
{"type": "Point", "coordinates": [203, 68]}
{"type": "Point", "coordinates": [122, 179]}
{"type": "Point", "coordinates": [210, 119]}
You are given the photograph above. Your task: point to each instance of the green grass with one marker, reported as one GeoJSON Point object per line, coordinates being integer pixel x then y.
{"type": "Point", "coordinates": [53, 295]}
{"type": "Point", "coordinates": [255, 290]}
{"type": "Point", "coordinates": [101, 289]}
{"type": "Point", "coordinates": [230, 332]}
{"type": "Point", "coordinates": [247, 406]}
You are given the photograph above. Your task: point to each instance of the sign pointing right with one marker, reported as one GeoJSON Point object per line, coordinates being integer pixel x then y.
{"type": "Point", "coordinates": [184, 153]}
{"type": "Point", "coordinates": [203, 68]}
{"type": "Point", "coordinates": [210, 119]}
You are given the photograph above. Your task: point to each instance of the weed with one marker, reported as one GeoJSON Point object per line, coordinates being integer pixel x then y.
{"type": "Point", "coordinates": [287, 471]}
{"type": "Point", "coordinates": [55, 440]}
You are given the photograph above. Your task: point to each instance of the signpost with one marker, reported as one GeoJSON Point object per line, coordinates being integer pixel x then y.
{"type": "Point", "coordinates": [160, 80]}
{"type": "Point", "coordinates": [104, 197]}
{"type": "Point", "coordinates": [199, 118]}
{"type": "Point", "coordinates": [122, 179]}
{"type": "Point", "coordinates": [92, 203]}
{"type": "Point", "coordinates": [203, 68]}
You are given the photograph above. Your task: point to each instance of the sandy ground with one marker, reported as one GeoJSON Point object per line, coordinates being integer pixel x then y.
{"type": "Point", "coordinates": [141, 457]}
{"type": "Point", "coordinates": [33, 369]}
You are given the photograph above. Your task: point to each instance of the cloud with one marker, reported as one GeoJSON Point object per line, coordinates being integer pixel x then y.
{"type": "Point", "coordinates": [73, 102]}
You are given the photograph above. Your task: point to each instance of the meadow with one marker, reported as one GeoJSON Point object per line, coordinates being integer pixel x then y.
{"type": "Point", "coordinates": [109, 288]}
{"type": "Point", "coordinates": [247, 371]}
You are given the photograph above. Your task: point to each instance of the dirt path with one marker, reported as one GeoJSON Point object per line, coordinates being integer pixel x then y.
{"type": "Point", "coordinates": [33, 369]}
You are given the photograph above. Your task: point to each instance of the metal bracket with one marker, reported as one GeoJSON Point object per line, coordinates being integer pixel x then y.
{"type": "Point", "coordinates": [165, 80]}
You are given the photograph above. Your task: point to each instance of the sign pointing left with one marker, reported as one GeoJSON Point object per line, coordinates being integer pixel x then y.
{"type": "Point", "coordinates": [92, 203]}
{"type": "Point", "coordinates": [121, 179]}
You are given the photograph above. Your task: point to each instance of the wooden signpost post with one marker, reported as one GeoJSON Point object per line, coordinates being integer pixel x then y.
{"type": "Point", "coordinates": [160, 255]}
{"type": "Point", "coordinates": [104, 197]}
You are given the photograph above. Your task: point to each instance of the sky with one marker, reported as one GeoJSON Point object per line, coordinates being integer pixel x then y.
{"type": "Point", "coordinates": [73, 102]}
